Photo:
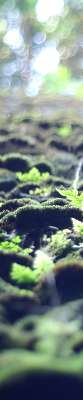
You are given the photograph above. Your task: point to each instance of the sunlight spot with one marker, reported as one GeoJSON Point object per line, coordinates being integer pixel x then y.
{"type": "Point", "coordinates": [46, 9]}
{"type": "Point", "coordinates": [47, 61]}
{"type": "Point", "coordinates": [13, 39]}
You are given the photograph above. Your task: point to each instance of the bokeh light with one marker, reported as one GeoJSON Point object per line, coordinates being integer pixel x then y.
{"type": "Point", "coordinates": [46, 9]}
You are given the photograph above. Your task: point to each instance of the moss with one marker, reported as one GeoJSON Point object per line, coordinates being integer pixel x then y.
{"type": "Point", "coordinates": [55, 200]}
{"type": "Point", "coordinates": [44, 167]}
{"type": "Point", "coordinates": [26, 187]}
{"type": "Point", "coordinates": [42, 266]}
{"type": "Point", "coordinates": [14, 204]}
{"type": "Point", "coordinates": [8, 221]}
{"type": "Point", "coordinates": [59, 242]}
{"type": "Point", "coordinates": [69, 262]}
{"type": "Point", "coordinates": [22, 275]}
{"type": "Point", "coordinates": [9, 246]}
{"type": "Point", "coordinates": [69, 277]}
{"type": "Point", "coordinates": [41, 191]}
{"type": "Point", "coordinates": [15, 162]}
{"type": "Point", "coordinates": [7, 290]}
{"type": "Point", "coordinates": [46, 351]}
{"type": "Point", "coordinates": [14, 245]}
{"type": "Point", "coordinates": [8, 257]}
{"type": "Point", "coordinates": [37, 216]}
{"type": "Point", "coordinates": [33, 176]}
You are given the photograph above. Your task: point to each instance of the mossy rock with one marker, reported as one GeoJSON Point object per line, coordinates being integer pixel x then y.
{"type": "Point", "coordinates": [37, 216]}
{"type": "Point", "coordinates": [15, 162]}
{"type": "Point", "coordinates": [48, 358]}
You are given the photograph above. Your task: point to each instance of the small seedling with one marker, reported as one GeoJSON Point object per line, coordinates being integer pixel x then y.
{"type": "Point", "coordinates": [42, 267]}
{"type": "Point", "coordinates": [74, 197]}
{"type": "Point", "coordinates": [33, 176]}
{"type": "Point", "coordinates": [72, 194]}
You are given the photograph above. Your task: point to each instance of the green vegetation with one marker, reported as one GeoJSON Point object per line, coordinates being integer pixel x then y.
{"type": "Point", "coordinates": [74, 197]}
{"type": "Point", "coordinates": [22, 274]}
{"type": "Point", "coordinates": [41, 191]}
{"type": "Point", "coordinates": [43, 263]}
{"type": "Point", "coordinates": [26, 5]}
{"type": "Point", "coordinates": [65, 131]}
{"type": "Point", "coordinates": [13, 244]}
{"type": "Point", "coordinates": [42, 266]}
{"type": "Point", "coordinates": [58, 242]}
{"type": "Point", "coordinates": [77, 226]}
{"type": "Point", "coordinates": [33, 176]}
{"type": "Point", "coordinates": [57, 82]}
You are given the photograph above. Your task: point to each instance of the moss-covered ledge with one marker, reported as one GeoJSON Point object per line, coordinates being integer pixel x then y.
{"type": "Point", "coordinates": [38, 216]}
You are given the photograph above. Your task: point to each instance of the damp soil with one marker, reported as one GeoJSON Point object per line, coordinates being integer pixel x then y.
{"type": "Point", "coordinates": [41, 324]}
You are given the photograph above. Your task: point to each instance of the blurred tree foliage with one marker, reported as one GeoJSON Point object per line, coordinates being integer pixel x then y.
{"type": "Point", "coordinates": [66, 32]}
{"type": "Point", "coordinates": [56, 82]}
{"type": "Point", "coordinates": [26, 4]}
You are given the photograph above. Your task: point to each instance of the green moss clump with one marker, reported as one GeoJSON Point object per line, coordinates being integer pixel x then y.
{"type": "Point", "coordinates": [22, 274]}
{"type": "Point", "coordinates": [42, 266]}
{"type": "Point", "coordinates": [8, 291]}
{"type": "Point", "coordinates": [41, 191]}
{"type": "Point", "coordinates": [9, 246]}
{"type": "Point", "coordinates": [33, 176]}
{"type": "Point", "coordinates": [58, 242]}
{"type": "Point", "coordinates": [13, 244]}
{"type": "Point", "coordinates": [37, 216]}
